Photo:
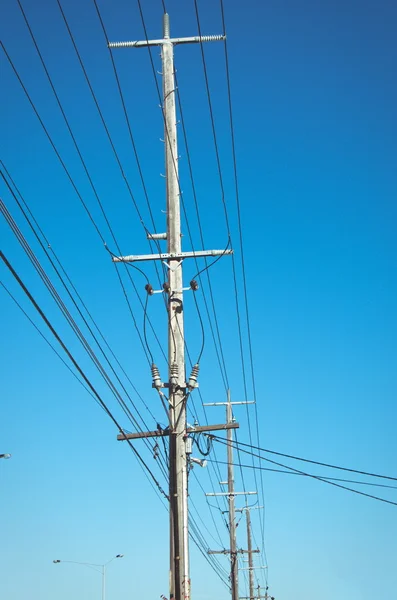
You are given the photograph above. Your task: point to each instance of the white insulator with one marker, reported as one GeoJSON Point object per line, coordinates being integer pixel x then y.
{"type": "Point", "coordinates": [158, 384]}
{"type": "Point", "coordinates": [192, 383]}
{"type": "Point", "coordinates": [122, 44]}
{"type": "Point", "coordinates": [166, 25]}
{"type": "Point", "coordinates": [174, 374]}
{"type": "Point", "coordinates": [156, 236]}
{"type": "Point", "coordinates": [211, 38]}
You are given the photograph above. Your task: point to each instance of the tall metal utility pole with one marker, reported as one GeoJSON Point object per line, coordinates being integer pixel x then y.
{"type": "Point", "coordinates": [177, 386]}
{"type": "Point", "coordinates": [231, 495]}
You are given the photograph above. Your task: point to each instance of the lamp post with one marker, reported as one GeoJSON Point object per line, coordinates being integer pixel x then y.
{"type": "Point", "coordinates": [94, 565]}
{"type": "Point", "coordinates": [5, 455]}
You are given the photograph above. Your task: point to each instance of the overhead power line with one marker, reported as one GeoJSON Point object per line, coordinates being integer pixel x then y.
{"type": "Point", "coordinates": [381, 485]}
{"type": "Point", "coordinates": [49, 343]}
{"type": "Point", "coordinates": [79, 369]}
{"type": "Point", "coordinates": [317, 477]}
{"type": "Point", "coordinates": [314, 462]}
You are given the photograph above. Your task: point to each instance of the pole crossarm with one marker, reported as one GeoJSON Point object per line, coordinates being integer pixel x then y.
{"type": "Point", "coordinates": [231, 493]}
{"type": "Point", "coordinates": [196, 39]}
{"type": "Point", "coordinates": [267, 597]}
{"type": "Point", "coordinates": [164, 432]}
{"type": "Point", "coordinates": [225, 551]}
{"type": "Point", "coordinates": [170, 255]}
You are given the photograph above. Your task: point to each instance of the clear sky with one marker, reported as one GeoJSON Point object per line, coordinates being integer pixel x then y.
{"type": "Point", "coordinates": [314, 98]}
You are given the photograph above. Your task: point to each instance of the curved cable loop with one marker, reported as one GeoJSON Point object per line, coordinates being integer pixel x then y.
{"type": "Point", "coordinates": [146, 300]}
{"type": "Point", "coordinates": [214, 261]}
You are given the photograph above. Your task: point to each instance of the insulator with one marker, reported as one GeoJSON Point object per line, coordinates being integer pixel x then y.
{"type": "Point", "coordinates": [156, 236]}
{"type": "Point", "coordinates": [194, 285]}
{"type": "Point", "coordinates": [149, 289]}
{"type": "Point", "coordinates": [158, 384]}
{"type": "Point", "coordinates": [166, 25]}
{"type": "Point", "coordinates": [192, 383]}
{"type": "Point", "coordinates": [166, 287]}
{"type": "Point", "coordinates": [211, 38]}
{"type": "Point", "coordinates": [174, 373]}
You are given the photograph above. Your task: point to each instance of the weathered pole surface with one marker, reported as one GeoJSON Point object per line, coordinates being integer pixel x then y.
{"type": "Point", "coordinates": [179, 580]}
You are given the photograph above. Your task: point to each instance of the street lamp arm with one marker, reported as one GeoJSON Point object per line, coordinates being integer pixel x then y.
{"type": "Point", "coordinates": [84, 564]}
{"type": "Point", "coordinates": [112, 559]}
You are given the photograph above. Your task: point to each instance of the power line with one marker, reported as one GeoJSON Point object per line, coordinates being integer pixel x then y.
{"type": "Point", "coordinates": [314, 462]}
{"type": "Point", "coordinates": [220, 440]}
{"type": "Point", "coordinates": [381, 485]}
{"type": "Point", "coordinates": [106, 130]}
{"type": "Point", "coordinates": [49, 343]}
{"type": "Point", "coordinates": [72, 322]}
{"type": "Point", "coordinates": [28, 219]}
{"type": "Point", "coordinates": [78, 368]}
{"type": "Point", "coordinates": [240, 229]}
{"type": "Point", "coordinates": [68, 174]}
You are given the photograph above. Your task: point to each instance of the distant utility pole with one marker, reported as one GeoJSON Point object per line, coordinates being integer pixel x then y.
{"type": "Point", "coordinates": [231, 496]}
{"type": "Point", "coordinates": [250, 557]}
{"type": "Point", "coordinates": [251, 568]}
{"type": "Point", "coordinates": [177, 386]}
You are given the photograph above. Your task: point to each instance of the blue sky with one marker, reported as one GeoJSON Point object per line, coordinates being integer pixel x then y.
{"type": "Point", "coordinates": [314, 96]}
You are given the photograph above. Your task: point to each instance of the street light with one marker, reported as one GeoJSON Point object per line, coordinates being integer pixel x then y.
{"type": "Point", "coordinates": [5, 455]}
{"type": "Point", "coordinates": [93, 565]}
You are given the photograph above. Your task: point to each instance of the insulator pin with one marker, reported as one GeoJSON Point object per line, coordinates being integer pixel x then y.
{"type": "Point", "coordinates": [149, 289]}
{"type": "Point", "coordinates": [174, 374]}
{"type": "Point", "coordinates": [157, 383]}
{"type": "Point", "coordinates": [166, 287]}
{"type": "Point", "coordinates": [194, 285]}
{"type": "Point", "coordinates": [192, 383]}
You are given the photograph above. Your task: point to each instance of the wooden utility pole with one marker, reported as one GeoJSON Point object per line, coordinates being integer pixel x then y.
{"type": "Point", "coordinates": [177, 386]}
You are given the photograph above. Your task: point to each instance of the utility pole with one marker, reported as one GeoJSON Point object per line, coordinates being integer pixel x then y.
{"type": "Point", "coordinates": [231, 496]}
{"type": "Point", "coordinates": [178, 388]}
{"type": "Point", "coordinates": [232, 514]}
{"type": "Point", "coordinates": [250, 557]}
{"type": "Point", "coordinates": [250, 552]}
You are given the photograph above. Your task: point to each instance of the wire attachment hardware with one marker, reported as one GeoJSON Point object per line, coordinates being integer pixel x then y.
{"type": "Point", "coordinates": [192, 383]}
{"type": "Point", "coordinates": [157, 383]}
{"type": "Point", "coordinates": [149, 289]}
{"type": "Point", "coordinates": [194, 285]}
{"type": "Point", "coordinates": [174, 374]}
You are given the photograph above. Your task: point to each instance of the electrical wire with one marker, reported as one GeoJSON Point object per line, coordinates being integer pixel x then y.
{"type": "Point", "coordinates": [240, 230]}
{"type": "Point", "coordinates": [71, 321]}
{"type": "Point", "coordinates": [214, 261]}
{"type": "Point", "coordinates": [146, 301]}
{"type": "Point", "coordinates": [128, 123]}
{"type": "Point", "coordinates": [75, 142]}
{"type": "Point", "coordinates": [314, 462]}
{"type": "Point", "coordinates": [75, 188]}
{"type": "Point", "coordinates": [79, 369]}
{"type": "Point", "coordinates": [318, 478]}
{"type": "Point", "coordinates": [49, 344]}
{"type": "Point", "coordinates": [381, 485]}
{"type": "Point", "coordinates": [219, 353]}
{"type": "Point", "coordinates": [51, 249]}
